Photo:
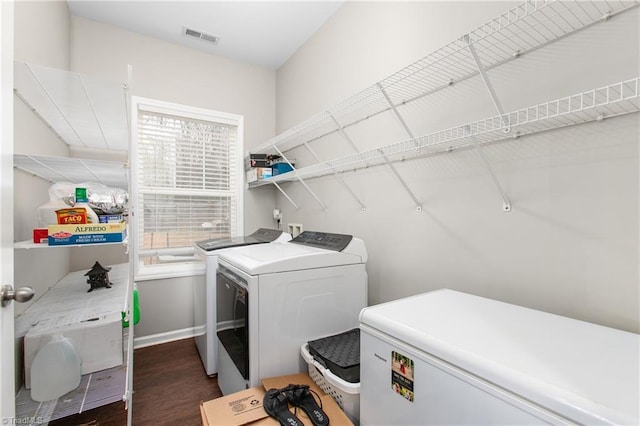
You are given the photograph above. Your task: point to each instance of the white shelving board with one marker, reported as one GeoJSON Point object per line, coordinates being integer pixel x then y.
{"type": "Point", "coordinates": [28, 244]}
{"type": "Point", "coordinates": [95, 390]}
{"type": "Point", "coordinates": [88, 114]}
{"type": "Point", "coordinates": [75, 170]}
{"type": "Point", "coordinates": [593, 105]}
{"type": "Point", "coordinates": [523, 29]}
{"type": "Point", "coordinates": [84, 111]}
{"type": "Point", "coordinates": [98, 388]}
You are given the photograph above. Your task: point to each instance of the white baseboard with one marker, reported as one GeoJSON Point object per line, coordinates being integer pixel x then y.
{"type": "Point", "coordinates": [169, 336]}
{"type": "Point", "coordinates": [185, 333]}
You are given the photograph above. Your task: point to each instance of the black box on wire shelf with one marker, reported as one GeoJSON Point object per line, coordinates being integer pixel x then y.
{"type": "Point", "coordinates": [259, 160]}
{"type": "Point", "coordinates": [262, 160]}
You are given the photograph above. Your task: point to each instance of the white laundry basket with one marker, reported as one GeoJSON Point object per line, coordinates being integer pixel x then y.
{"type": "Point", "coordinates": [346, 395]}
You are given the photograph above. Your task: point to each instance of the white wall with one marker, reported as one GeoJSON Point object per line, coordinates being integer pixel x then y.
{"type": "Point", "coordinates": [570, 245]}
{"type": "Point", "coordinates": [42, 38]}
{"type": "Point", "coordinates": [173, 73]}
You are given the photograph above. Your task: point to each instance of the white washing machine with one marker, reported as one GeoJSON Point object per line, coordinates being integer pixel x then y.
{"type": "Point", "coordinates": [283, 295]}
{"type": "Point", "coordinates": [208, 250]}
{"type": "Point", "coordinates": [447, 357]}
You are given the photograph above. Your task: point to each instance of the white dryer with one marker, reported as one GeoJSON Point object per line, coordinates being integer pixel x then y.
{"type": "Point", "coordinates": [208, 250]}
{"type": "Point", "coordinates": [283, 295]}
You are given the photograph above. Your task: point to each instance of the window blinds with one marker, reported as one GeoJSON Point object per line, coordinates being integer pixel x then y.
{"type": "Point", "coordinates": [186, 177]}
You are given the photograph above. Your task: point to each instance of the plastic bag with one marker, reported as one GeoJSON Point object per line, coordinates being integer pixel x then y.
{"type": "Point", "coordinates": [101, 199]}
{"type": "Point", "coordinates": [105, 200]}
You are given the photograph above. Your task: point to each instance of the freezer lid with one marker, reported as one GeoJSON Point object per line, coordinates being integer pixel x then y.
{"type": "Point", "coordinates": [282, 257]}
{"type": "Point", "coordinates": [585, 372]}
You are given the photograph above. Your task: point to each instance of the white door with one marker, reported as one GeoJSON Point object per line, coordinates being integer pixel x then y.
{"type": "Point", "coordinates": [7, 365]}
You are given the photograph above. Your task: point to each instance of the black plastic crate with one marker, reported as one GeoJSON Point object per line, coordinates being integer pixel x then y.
{"type": "Point", "coordinates": [340, 354]}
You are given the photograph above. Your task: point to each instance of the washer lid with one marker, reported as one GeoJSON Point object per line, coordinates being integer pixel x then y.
{"type": "Point", "coordinates": [287, 256]}
{"type": "Point", "coordinates": [582, 371]}
{"type": "Point", "coordinates": [262, 235]}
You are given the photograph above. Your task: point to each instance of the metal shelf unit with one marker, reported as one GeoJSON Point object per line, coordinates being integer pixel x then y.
{"type": "Point", "coordinates": [517, 32]}
{"type": "Point", "coordinates": [28, 244]}
{"type": "Point", "coordinates": [90, 115]}
{"type": "Point", "coordinates": [593, 105]}
{"type": "Point", "coordinates": [97, 388]}
{"type": "Point", "coordinates": [75, 170]}
{"type": "Point", "coordinates": [84, 111]}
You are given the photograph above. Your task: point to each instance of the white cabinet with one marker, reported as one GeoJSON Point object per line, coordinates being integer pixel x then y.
{"type": "Point", "coordinates": [91, 116]}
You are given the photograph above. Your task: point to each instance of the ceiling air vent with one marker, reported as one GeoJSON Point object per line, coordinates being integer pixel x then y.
{"type": "Point", "coordinates": [202, 36]}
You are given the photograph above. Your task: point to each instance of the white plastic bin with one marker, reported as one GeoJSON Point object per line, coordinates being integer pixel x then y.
{"type": "Point", "coordinates": [346, 395]}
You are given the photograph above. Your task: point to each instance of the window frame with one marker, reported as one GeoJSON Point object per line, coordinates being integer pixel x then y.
{"type": "Point", "coordinates": [195, 267]}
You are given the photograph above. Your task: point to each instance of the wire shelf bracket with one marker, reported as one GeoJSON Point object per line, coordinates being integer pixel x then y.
{"type": "Point", "coordinates": [294, 170]}
{"type": "Point", "coordinates": [506, 204]}
{"type": "Point", "coordinates": [286, 195]}
{"type": "Point", "coordinates": [387, 162]}
{"type": "Point", "coordinates": [395, 111]}
{"type": "Point", "coordinates": [487, 83]}
{"type": "Point", "coordinates": [363, 209]}
{"type": "Point", "coordinates": [406, 128]}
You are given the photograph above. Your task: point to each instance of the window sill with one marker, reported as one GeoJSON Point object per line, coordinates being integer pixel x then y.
{"type": "Point", "coordinates": [162, 272]}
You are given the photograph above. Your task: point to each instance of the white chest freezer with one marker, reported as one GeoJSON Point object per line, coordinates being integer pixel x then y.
{"type": "Point", "coordinates": [447, 357]}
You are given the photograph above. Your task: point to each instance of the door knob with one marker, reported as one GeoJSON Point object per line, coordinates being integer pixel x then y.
{"type": "Point", "coordinates": [21, 295]}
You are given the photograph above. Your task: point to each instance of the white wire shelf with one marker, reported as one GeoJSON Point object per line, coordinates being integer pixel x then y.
{"type": "Point", "coordinates": [84, 111]}
{"type": "Point", "coordinates": [75, 170]}
{"type": "Point", "coordinates": [100, 387]}
{"type": "Point", "coordinates": [525, 28]}
{"type": "Point", "coordinates": [29, 244]}
{"type": "Point", "coordinates": [593, 105]}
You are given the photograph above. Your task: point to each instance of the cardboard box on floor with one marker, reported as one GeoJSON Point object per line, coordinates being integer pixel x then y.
{"type": "Point", "coordinates": [245, 407]}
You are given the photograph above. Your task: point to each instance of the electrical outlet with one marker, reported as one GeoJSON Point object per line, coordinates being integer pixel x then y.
{"type": "Point", "coordinates": [295, 229]}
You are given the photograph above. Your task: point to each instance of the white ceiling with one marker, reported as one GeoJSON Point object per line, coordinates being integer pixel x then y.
{"type": "Point", "coordinates": [265, 33]}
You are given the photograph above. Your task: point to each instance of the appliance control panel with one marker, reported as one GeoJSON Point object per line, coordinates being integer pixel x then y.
{"type": "Point", "coordinates": [324, 240]}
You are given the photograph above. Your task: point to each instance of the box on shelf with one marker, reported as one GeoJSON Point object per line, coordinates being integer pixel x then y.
{"type": "Point", "coordinates": [258, 173]}
{"type": "Point", "coordinates": [72, 216]}
{"type": "Point", "coordinates": [279, 168]}
{"type": "Point", "coordinates": [91, 233]}
{"type": "Point", "coordinates": [97, 340]}
{"type": "Point", "coordinates": [40, 235]}
{"type": "Point", "coordinates": [110, 218]}
{"type": "Point", "coordinates": [245, 407]}
{"type": "Point", "coordinates": [259, 160]}
{"type": "Point", "coordinates": [92, 321]}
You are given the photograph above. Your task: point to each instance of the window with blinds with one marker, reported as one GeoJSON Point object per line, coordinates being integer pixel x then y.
{"type": "Point", "coordinates": [186, 181]}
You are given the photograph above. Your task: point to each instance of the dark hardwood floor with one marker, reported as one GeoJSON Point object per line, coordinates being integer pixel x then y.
{"type": "Point", "coordinates": [169, 383]}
